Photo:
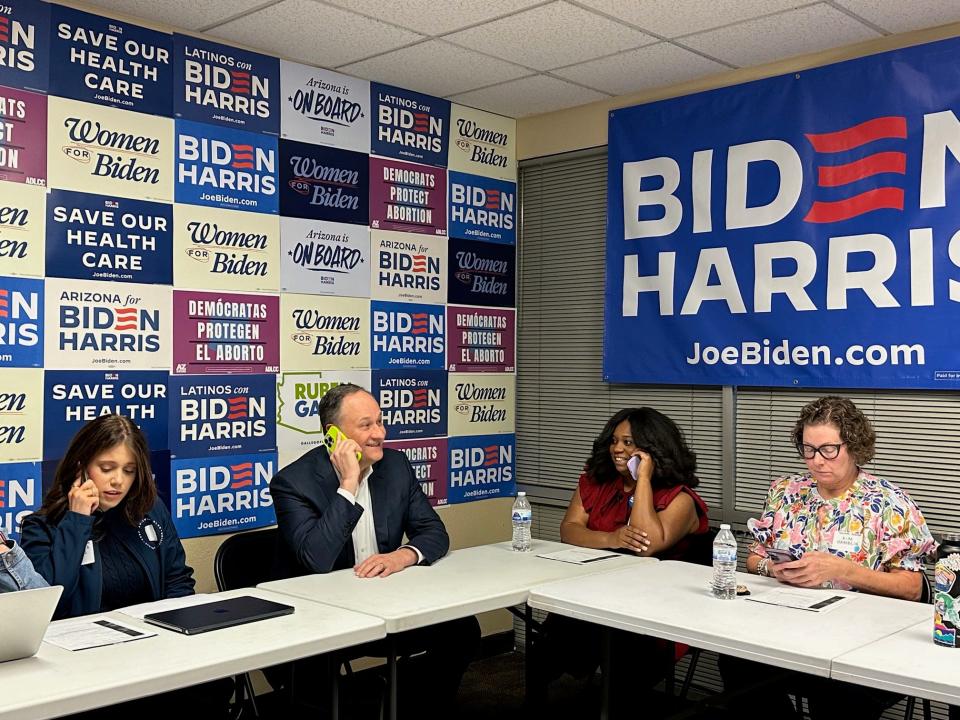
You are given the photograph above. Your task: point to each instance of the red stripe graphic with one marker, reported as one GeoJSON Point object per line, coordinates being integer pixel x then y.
{"type": "Point", "coordinates": [420, 398]}
{"type": "Point", "coordinates": [419, 263]}
{"type": "Point", "coordinates": [491, 454]}
{"type": "Point", "coordinates": [2, 492]}
{"type": "Point", "coordinates": [242, 475]}
{"type": "Point", "coordinates": [126, 318]}
{"type": "Point", "coordinates": [421, 122]}
{"type": "Point", "coordinates": [237, 407]}
{"type": "Point", "coordinates": [882, 198]}
{"type": "Point", "coordinates": [4, 294]}
{"type": "Point", "coordinates": [884, 162]}
{"type": "Point", "coordinates": [493, 199]}
{"type": "Point", "coordinates": [242, 156]}
{"type": "Point", "coordinates": [894, 126]}
{"type": "Point", "coordinates": [419, 323]}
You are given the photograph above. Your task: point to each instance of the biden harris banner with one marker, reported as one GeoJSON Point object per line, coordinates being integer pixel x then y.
{"type": "Point", "coordinates": [747, 245]}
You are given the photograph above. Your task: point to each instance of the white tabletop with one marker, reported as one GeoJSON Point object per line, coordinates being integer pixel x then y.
{"type": "Point", "coordinates": [58, 682]}
{"type": "Point", "coordinates": [906, 662]}
{"type": "Point", "coordinates": [670, 600]}
{"type": "Point", "coordinates": [463, 583]}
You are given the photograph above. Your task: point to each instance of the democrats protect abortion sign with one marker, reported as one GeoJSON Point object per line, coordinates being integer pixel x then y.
{"type": "Point", "coordinates": [816, 247]}
{"type": "Point", "coordinates": [428, 458]}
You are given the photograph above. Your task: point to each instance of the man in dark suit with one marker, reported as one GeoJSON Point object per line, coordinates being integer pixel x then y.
{"type": "Point", "coordinates": [336, 512]}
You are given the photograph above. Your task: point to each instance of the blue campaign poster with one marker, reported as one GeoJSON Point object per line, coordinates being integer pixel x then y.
{"type": "Point", "coordinates": [324, 183]}
{"type": "Point", "coordinates": [481, 467]}
{"type": "Point", "coordinates": [94, 237]}
{"type": "Point", "coordinates": [109, 62]}
{"type": "Point", "coordinates": [25, 44]}
{"type": "Point", "coordinates": [482, 208]}
{"type": "Point", "coordinates": [413, 402]}
{"type": "Point", "coordinates": [407, 335]}
{"type": "Point", "coordinates": [21, 493]}
{"type": "Point", "coordinates": [224, 85]}
{"type": "Point", "coordinates": [408, 125]}
{"type": "Point", "coordinates": [21, 322]}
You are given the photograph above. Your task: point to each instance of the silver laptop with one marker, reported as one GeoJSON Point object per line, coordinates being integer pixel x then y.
{"type": "Point", "coordinates": [24, 616]}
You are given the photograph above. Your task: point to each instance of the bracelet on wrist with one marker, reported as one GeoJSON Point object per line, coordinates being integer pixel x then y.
{"type": "Point", "coordinates": [763, 567]}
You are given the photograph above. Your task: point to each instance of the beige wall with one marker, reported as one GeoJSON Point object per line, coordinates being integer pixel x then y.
{"type": "Point", "coordinates": [586, 126]}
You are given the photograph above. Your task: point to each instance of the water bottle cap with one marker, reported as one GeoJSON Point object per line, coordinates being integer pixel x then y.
{"type": "Point", "coordinates": [725, 526]}
{"type": "Point", "coordinates": [521, 494]}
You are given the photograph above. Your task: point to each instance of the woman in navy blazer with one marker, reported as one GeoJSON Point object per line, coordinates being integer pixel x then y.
{"type": "Point", "coordinates": [101, 532]}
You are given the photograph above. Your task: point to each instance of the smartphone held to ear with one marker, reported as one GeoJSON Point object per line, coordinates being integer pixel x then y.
{"type": "Point", "coordinates": [333, 437]}
{"type": "Point", "coordinates": [633, 465]}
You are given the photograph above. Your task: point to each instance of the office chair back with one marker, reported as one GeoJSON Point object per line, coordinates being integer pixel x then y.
{"type": "Point", "coordinates": [246, 559]}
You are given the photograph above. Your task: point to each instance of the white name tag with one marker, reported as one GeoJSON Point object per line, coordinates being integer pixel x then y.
{"type": "Point", "coordinates": [88, 557]}
{"type": "Point", "coordinates": [151, 532]}
{"type": "Point", "coordinates": [846, 542]}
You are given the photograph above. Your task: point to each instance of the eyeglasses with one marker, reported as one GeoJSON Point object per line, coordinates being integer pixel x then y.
{"type": "Point", "coordinates": [829, 451]}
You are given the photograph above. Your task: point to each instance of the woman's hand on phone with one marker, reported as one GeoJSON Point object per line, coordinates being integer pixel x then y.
{"type": "Point", "coordinates": [645, 469]}
{"type": "Point", "coordinates": [84, 497]}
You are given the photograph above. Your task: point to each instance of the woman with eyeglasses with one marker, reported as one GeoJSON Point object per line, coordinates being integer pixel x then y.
{"type": "Point", "coordinates": [848, 529]}
{"type": "Point", "coordinates": [833, 526]}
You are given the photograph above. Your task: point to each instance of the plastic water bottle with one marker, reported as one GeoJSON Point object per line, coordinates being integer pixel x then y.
{"type": "Point", "coordinates": [724, 583]}
{"type": "Point", "coordinates": [522, 519]}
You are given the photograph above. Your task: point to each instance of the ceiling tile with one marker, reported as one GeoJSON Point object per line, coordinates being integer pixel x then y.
{"type": "Point", "coordinates": [181, 14]}
{"type": "Point", "coordinates": [551, 36]}
{"type": "Point", "coordinates": [901, 16]}
{"type": "Point", "coordinates": [528, 96]}
{"type": "Point", "coordinates": [313, 33]}
{"type": "Point", "coordinates": [796, 32]}
{"type": "Point", "coordinates": [436, 68]}
{"type": "Point", "coordinates": [435, 18]}
{"type": "Point", "coordinates": [649, 67]}
{"type": "Point", "coordinates": [672, 18]}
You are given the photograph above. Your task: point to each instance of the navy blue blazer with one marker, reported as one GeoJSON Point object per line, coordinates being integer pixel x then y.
{"type": "Point", "coordinates": [316, 522]}
{"type": "Point", "coordinates": [57, 553]}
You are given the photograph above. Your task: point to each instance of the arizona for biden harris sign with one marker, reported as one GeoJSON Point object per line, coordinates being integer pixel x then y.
{"type": "Point", "coordinates": [798, 230]}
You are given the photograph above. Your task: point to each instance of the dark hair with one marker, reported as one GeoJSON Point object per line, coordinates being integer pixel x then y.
{"type": "Point", "coordinates": [855, 430]}
{"type": "Point", "coordinates": [653, 432]}
{"type": "Point", "coordinates": [95, 437]}
{"type": "Point", "coordinates": [329, 407]}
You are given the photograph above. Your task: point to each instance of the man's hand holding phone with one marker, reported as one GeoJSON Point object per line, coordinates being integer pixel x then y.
{"type": "Point", "coordinates": [345, 455]}
{"type": "Point", "coordinates": [84, 497]}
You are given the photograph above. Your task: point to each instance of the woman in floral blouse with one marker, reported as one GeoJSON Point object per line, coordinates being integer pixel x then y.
{"type": "Point", "coordinates": [848, 530]}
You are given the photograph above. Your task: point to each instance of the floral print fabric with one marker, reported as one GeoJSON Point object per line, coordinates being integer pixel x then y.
{"type": "Point", "coordinates": [874, 523]}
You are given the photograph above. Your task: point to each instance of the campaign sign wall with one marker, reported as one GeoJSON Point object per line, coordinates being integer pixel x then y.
{"type": "Point", "coordinates": [482, 208]}
{"type": "Point", "coordinates": [407, 197]}
{"type": "Point", "coordinates": [21, 414]}
{"type": "Point", "coordinates": [225, 249]}
{"type": "Point", "coordinates": [429, 461]}
{"type": "Point", "coordinates": [74, 398]}
{"type": "Point", "coordinates": [481, 467]}
{"type": "Point", "coordinates": [21, 322]}
{"type": "Point", "coordinates": [748, 246]}
{"type": "Point", "coordinates": [481, 273]}
{"type": "Point", "coordinates": [324, 332]}
{"type": "Point", "coordinates": [324, 258]}
{"type": "Point", "coordinates": [413, 402]}
{"type": "Point", "coordinates": [480, 339]}
{"type": "Point", "coordinates": [482, 403]}
{"type": "Point", "coordinates": [106, 326]}
{"type": "Point", "coordinates": [324, 107]}
{"type": "Point", "coordinates": [23, 137]}
{"type": "Point", "coordinates": [25, 44]}
{"type": "Point", "coordinates": [21, 493]}
{"type": "Point", "coordinates": [407, 267]}
{"type": "Point", "coordinates": [222, 494]}
{"type": "Point", "coordinates": [323, 183]}
{"type": "Point", "coordinates": [95, 237]}
{"type": "Point", "coordinates": [220, 333]}
{"type": "Point", "coordinates": [22, 221]}
{"type": "Point", "coordinates": [482, 143]}
{"type": "Point", "coordinates": [298, 405]}
{"type": "Point", "coordinates": [106, 61]}
{"type": "Point", "coordinates": [223, 85]}
{"type": "Point", "coordinates": [407, 335]}
{"type": "Point", "coordinates": [408, 125]}
{"type": "Point", "coordinates": [217, 414]}
{"type": "Point", "coordinates": [223, 168]}
{"type": "Point", "coordinates": [114, 151]}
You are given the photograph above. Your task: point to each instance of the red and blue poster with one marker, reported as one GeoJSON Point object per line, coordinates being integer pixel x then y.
{"type": "Point", "coordinates": [25, 44]}
{"type": "Point", "coordinates": [407, 198]}
{"type": "Point", "coordinates": [429, 461]}
{"type": "Point", "coordinates": [23, 137]}
{"type": "Point", "coordinates": [794, 231]}
{"type": "Point", "coordinates": [407, 335]}
{"type": "Point", "coordinates": [413, 402]}
{"type": "Point", "coordinates": [21, 493]}
{"type": "Point", "coordinates": [483, 208]}
{"type": "Point", "coordinates": [481, 467]}
{"type": "Point", "coordinates": [408, 125]}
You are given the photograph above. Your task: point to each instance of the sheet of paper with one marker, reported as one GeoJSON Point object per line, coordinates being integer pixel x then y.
{"type": "Point", "coordinates": [578, 556]}
{"type": "Point", "coordinates": [138, 611]}
{"type": "Point", "coordinates": [801, 599]}
{"type": "Point", "coordinates": [84, 633]}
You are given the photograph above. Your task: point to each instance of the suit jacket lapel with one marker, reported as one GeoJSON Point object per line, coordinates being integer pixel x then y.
{"type": "Point", "coordinates": [323, 493]}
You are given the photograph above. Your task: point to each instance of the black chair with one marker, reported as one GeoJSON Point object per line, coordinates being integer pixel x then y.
{"type": "Point", "coordinates": [245, 560]}
{"type": "Point", "coordinates": [699, 551]}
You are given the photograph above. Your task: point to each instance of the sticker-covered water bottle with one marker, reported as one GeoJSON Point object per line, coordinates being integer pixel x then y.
{"type": "Point", "coordinates": [946, 599]}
